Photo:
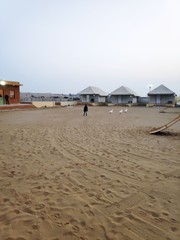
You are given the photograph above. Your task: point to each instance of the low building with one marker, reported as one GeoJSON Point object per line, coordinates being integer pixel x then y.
{"type": "Point", "coordinates": [9, 92]}
{"type": "Point", "coordinates": [93, 94]}
{"type": "Point", "coordinates": [124, 95]}
{"type": "Point", "coordinates": [161, 96]}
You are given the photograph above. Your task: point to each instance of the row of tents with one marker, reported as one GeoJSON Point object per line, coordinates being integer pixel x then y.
{"type": "Point", "coordinates": [124, 95]}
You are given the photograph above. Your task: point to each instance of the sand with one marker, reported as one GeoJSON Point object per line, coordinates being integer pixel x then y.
{"type": "Point", "coordinates": [67, 177]}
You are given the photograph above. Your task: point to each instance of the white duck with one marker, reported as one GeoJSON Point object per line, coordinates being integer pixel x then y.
{"type": "Point", "coordinates": [125, 110]}
{"type": "Point", "coordinates": [121, 111]}
{"type": "Point", "coordinates": [111, 111]}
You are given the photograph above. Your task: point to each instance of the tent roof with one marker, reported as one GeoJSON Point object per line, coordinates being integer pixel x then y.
{"type": "Point", "coordinates": [161, 90]}
{"type": "Point", "coordinates": [124, 91]}
{"type": "Point", "coordinates": [93, 90]}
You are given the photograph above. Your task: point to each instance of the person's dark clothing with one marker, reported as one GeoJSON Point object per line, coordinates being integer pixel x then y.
{"type": "Point", "coordinates": [85, 110]}
{"type": "Point", "coordinates": [6, 99]}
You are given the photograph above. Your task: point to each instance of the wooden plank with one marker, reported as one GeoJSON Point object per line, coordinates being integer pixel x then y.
{"type": "Point", "coordinates": [159, 129]}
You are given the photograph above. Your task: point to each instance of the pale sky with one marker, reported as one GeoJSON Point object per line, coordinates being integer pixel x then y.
{"type": "Point", "coordinates": [64, 46]}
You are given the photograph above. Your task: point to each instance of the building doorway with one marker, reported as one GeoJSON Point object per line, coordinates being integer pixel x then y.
{"type": "Point", "coordinates": [158, 99]}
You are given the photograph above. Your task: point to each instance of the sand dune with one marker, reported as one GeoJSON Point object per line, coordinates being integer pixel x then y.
{"type": "Point", "coordinates": [67, 177]}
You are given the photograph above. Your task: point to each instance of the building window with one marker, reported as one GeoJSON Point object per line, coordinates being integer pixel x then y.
{"type": "Point", "coordinates": [12, 94]}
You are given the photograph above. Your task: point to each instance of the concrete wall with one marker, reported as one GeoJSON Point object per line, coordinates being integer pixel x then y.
{"type": "Point", "coordinates": [102, 99]}
{"type": "Point", "coordinates": [93, 98]}
{"type": "Point", "coordinates": [39, 104]}
{"type": "Point", "coordinates": [43, 104]}
{"type": "Point", "coordinates": [161, 99]}
{"type": "Point", "coordinates": [121, 99]}
{"type": "Point", "coordinates": [69, 103]}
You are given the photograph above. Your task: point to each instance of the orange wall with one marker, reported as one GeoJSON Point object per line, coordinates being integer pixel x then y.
{"type": "Point", "coordinates": [6, 90]}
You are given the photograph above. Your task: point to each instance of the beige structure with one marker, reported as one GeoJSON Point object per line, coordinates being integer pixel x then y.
{"type": "Point", "coordinates": [40, 104]}
{"type": "Point", "coordinates": [69, 103]}
{"type": "Point", "coordinates": [43, 104]}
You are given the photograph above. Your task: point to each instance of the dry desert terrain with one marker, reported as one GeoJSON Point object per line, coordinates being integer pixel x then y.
{"type": "Point", "coordinates": [64, 176]}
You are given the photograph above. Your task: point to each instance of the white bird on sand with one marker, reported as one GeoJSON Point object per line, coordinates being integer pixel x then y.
{"type": "Point", "coordinates": [121, 111]}
{"type": "Point", "coordinates": [111, 111]}
{"type": "Point", "coordinates": [125, 110]}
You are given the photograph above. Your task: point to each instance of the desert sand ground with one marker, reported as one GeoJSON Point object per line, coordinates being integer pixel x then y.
{"type": "Point", "coordinates": [101, 177]}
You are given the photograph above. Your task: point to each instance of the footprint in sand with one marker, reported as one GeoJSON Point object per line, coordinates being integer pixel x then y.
{"type": "Point", "coordinates": [174, 229]}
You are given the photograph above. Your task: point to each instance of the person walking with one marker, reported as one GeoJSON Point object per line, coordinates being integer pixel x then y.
{"type": "Point", "coordinates": [85, 110]}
